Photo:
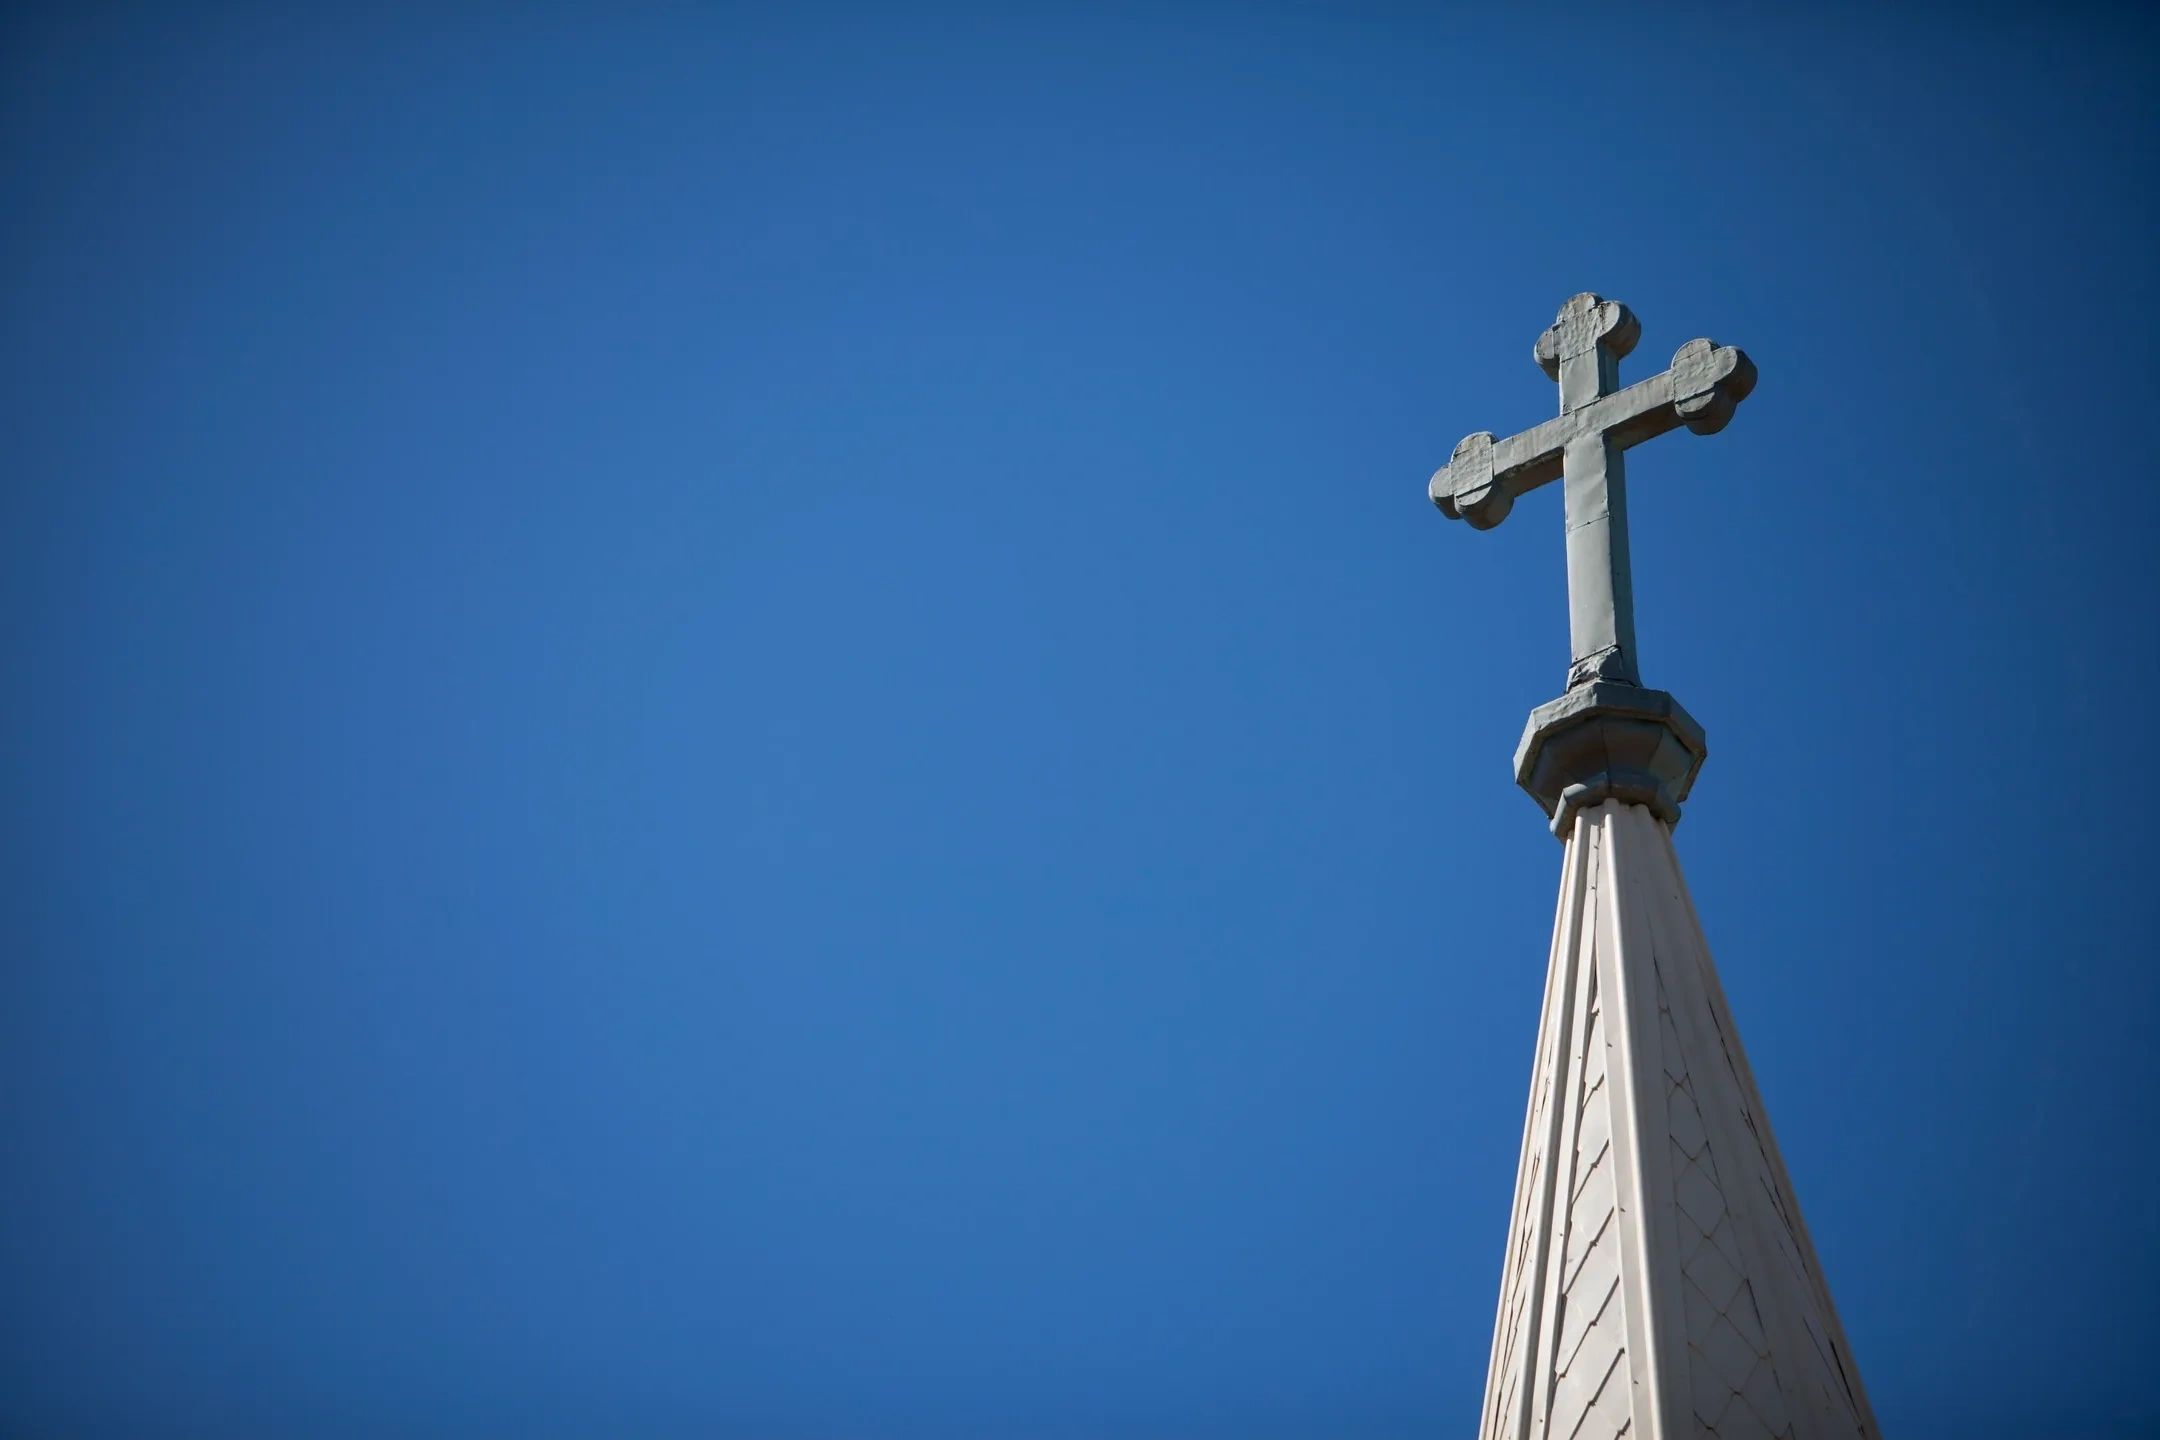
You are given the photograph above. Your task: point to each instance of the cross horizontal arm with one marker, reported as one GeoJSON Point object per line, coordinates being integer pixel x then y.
{"type": "Point", "coordinates": [1480, 482]}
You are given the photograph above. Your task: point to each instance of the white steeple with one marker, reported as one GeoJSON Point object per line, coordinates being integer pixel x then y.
{"type": "Point", "coordinates": [1659, 1282]}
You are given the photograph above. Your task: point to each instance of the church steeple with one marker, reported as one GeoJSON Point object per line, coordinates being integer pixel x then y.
{"type": "Point", "coordinates": [1658, 1281]}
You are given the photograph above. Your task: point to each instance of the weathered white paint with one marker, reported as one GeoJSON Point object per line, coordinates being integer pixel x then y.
{"type": "Point", "coordinates": [1659, 1282]}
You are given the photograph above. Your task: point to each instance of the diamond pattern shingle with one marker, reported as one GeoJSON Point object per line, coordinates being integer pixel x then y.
{"type": "Point", "coordinates": [1650, 1192]}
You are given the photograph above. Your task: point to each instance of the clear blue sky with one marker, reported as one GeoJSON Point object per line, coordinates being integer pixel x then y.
{"type": "Point", "coordinates": [746, 724]}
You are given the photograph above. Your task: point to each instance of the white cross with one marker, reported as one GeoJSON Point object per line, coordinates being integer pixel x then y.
{"type": "Point", "coordinates": [1597, 422]}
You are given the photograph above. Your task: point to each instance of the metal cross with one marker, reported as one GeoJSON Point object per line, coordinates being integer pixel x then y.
{"type": "Point", "coordinates": [1598, 421]}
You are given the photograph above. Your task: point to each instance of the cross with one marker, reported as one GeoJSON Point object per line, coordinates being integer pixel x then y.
{"type": "Point", "coordinates": [1598, 422]}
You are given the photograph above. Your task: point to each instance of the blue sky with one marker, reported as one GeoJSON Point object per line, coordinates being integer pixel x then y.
{"type": "Point", "coordinates": [748, 722]}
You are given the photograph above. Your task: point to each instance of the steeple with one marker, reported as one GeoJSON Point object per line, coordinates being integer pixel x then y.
{"type": "Point", "coordinates": [1658, 1281]}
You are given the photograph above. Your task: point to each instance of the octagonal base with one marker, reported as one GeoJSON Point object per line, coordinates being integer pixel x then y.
{"type": "Point", "coordinates": [1606, 741]}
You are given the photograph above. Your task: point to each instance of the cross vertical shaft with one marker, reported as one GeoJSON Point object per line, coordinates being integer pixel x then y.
{"type": "Point", "coordinates": [1582, 351]}
{"type": "Point", "coordinates": [1601, 589]}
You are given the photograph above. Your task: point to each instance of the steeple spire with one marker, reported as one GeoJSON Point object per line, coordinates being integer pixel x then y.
{"type": "Point", "coordinates": [1658, 1281]}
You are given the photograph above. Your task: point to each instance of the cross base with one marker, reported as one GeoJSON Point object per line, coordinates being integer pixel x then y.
{"type": "Point", "coordinates": [1606, 741]}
